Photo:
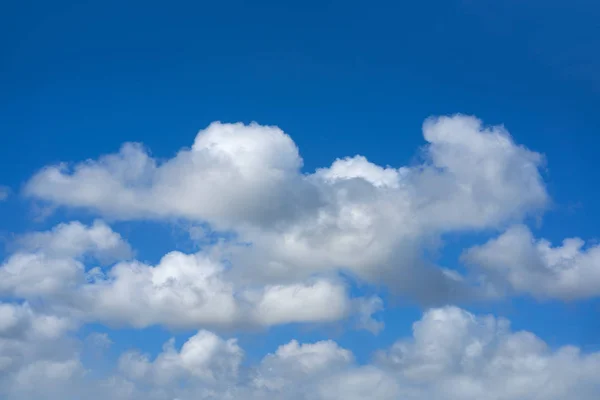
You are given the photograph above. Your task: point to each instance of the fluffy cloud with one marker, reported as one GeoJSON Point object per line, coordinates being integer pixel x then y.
{"type": "Point", "coordinates": [296, 236]}
{"type": "Point", "coordinates": [456, 355]}
{"type": "Point", "coordinates": [191, 290]}
{"type": "Point", "coordinates": [524, 264]}
{"type": "Point", "coordinates": [293, 364]}
{"type": "Point", "coordinates": [234, 174]}
{"type": "Point", "coordinates": [74, 239]}
{"type": "Point", "coordinates": [51, 263]}
{"type": "Point", "coordinates": [371, 221]}
{"type": "Point", "coordinates": [451, 355]}
{"type": "Point", "coordinates": [36, 356]}
{"type": "Point", "coordinates": [204, 357]}
{"type": "Point", "coordinates": [182, 291]}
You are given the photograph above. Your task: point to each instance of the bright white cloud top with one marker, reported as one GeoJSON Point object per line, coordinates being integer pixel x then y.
{"type": "Point", "coordinates": [296, 238]}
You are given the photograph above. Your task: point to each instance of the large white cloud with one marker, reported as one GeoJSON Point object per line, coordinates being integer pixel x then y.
{"type": "Point", "coordinates": [516, 260]}
{"type": "Point", "coordinates": [234, 174]}
{"type": "Point", "coordinates": [372, 221]}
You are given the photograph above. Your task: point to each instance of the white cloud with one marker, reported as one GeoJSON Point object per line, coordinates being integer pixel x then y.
{"type": "Point", "coordinates": [374, 222]}
{"type": "Point", "coordinates": [294, 233]}
{"type": "Point", "coordinates": [236, 174]}
{"type": "Point", "coordinates": [204, 357]}
{"type": "Point", "coordinates": [452, 355]}
{"type": "Point", "coordinates": [36, 355]}
{"type": "Point", "coordinates": [524, 264]}
{"type": "Point", "coordinates": [191, 290]}
{"type": "Point", "coordinates": [182, 291]}
{"type": "Point", "coordinates": [51, 263]}
{"type": "Point", "coordinates": [456, 355]}
{"type": "Point", "coordinates": [233, 173]}
{"type": "Point", "coordinates": [74, 239]}
{"type": "Point", "coordinates": [294, 359]}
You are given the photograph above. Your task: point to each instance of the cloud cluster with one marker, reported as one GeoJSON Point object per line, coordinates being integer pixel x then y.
{"type": "Point", "coordinates": [451, 355]}
{"type": "Point", "coordinates": [294, 240]}
{"type": "Point", "coordinates": [371, 221]}
{"type": "Point", "coordinates": [182, 291]}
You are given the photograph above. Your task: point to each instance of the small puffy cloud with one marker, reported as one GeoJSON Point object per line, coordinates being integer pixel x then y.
{"type": "Point", "coordinates": [294, 360]}
{"type": "Point", "coordinates": [51, 263]}
{"type": "Point", "coordinates": [359, 167]}
{"type": "Point", "coordinates": [320, 300]}
{"type": "Point", "coordinates": [204, 357]}
{"type": "Point", "coordinates": [74, 239]}
{"type": "Point", "coordinates": [519, 262]}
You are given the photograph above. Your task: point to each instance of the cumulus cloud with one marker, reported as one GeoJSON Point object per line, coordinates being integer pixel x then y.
{"type": "Point", "coordinates": [181, 291]}
{"type": "Point", "coordinates": [296, 238]}
{"type": "Point", "coordinates": [233, 173]}
{"type": "Point", "coordinates": [204, 357]}
{"type": "Point", "coordinates": [74, 239]}
{"type": "Point", "coordinates": [52, 263]}
{"type": "Point", "coordinates": [237, 173]}
{"type": "Point", "coordinates": [517, 261]}
{"type": "Point", "coordinates": [294, 364]}
{"type": "Point", "coordinates": [456, 355]}
{"type": "Point", "coordinates": [191, 290]}
{"type": "Point", "coordinates": [451, 355]}
{"type": "Point", "coordinates": [36, 356]}
{"type": "Point", "coordinates": [371, 221]}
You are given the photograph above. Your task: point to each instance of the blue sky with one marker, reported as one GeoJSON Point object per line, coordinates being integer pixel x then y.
{"type": "Point", "coordinates": [79, 79]}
